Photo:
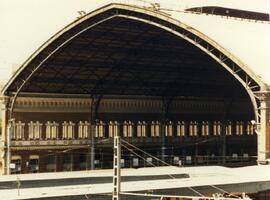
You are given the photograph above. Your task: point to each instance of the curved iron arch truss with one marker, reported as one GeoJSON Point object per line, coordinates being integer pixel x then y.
{"type": "Point", "coordinates": [37, 61]}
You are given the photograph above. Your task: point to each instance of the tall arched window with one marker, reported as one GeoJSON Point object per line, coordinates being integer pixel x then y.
{"type": "Point", "coordinates": [31, 130]}
{"type": "Point", "coordinates": [19, 131]}
{"type": "Point", "coordinates": [155, 129]}
{"type": "Point", "coordinates": [169, 129]}
{"type": "Point", "coordinates": [64, 130]}
{"type": "Point", "coordinates": [181, 128]}
{"type": "Point", "coordinates": [216, 128]}
{"type": "Point", "coordinates": [83, 129]}
{"type": "Point", "coordinates": [100, 129]}
{"type": "Point", "coordinates": [125, 129]}
{"type": "Point", "coordinates": [229, 128]}
{"type": "Point", "coordinates": [239, 128]}
{"type": "Point", "coordinates": [191, 130]}
{"type": "Point", "coordinates": [52, 130]}
{"type": "Point", "coordinates": [70, 130]}
{"type": "Point", "coordinates": [130, 132]}
{"type": "Point", "coordinates": [113, 128]}
{"type": "Point", "coordinates": [34, 130]}
{"type": "Point", "coordinates": [139, 129]}
{"type": "Point", "coordinates": [250, 128]}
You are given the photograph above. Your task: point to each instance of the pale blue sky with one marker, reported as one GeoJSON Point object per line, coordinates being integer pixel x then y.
{"type": "Point", "coordinates": [27, 24]}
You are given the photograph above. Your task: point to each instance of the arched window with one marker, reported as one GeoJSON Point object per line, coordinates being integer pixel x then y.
{"type": "Point", "coordinates": [19, 130]}
{"type": "Point", "coordinates": [229, 128]}
{"type": "Point", "coordinates": [144, 125]}
{"type": "Point", "coordinates": [125, 129]}
{"type": "Point", "coordinates": [169, 129]}
{"type": "Point", "coordinates": [113, 128]}
{"type": "Point", "coordinates": [86, 130]}
{"type": "Point", "coordinates": [191, 128]}
{"type": "Point", "coordinates": [152, 129]}
{"type": "Point", "coordinates": [130, 129]}
{"type": "Point", "coordinates": [155, 129]}
{"type": "Point", "coordinates": [139, 129]}
{"type": "Point", "coordinates": [195, 128]}
{"type": "Point", "coordinates": [100, 129]}
{"type": "Point", "coordinates": [250, 128]}
{"type": "Point", "coordinates": [64, 130]}
{"type": "Point", "coordinates": [216, 128]}
{"type": "Point", "coordinates": [80, 129]}
{"type": "Point", "coordinates": [205, 128]}
{"type": "Point", "coordinates": [34, 130]}
{"type": "Point", "coordinates": [31, 130]}
{"type": "Point", "coordinates": [70, 130]}
{"type": "Point", "coordinates": [52, 130]}
{"type": "Point", "coordinates": [83, 129]}
{"type": "Point", "coordinates": [239, 128]}
{"type": "Point", "coordinates": [181, 128]}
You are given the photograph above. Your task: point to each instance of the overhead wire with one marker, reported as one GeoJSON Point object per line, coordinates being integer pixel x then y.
{"type": "Point", "coordinates": [170, 175]}
{"type": "Point", "coordinates": [220, 189]}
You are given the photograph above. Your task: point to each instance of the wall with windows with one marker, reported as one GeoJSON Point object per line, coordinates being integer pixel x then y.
{"type": "Point", "coordinates": [52, 130]}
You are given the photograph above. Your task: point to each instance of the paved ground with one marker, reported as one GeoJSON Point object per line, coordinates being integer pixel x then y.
{"type": "Point", "coordinates": [76, 183]}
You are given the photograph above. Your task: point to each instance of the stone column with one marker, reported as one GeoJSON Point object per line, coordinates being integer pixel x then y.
{"type": "Point", "coordinates": [3, 137]}
{"type": "Point", "coordinates": [263, 128]}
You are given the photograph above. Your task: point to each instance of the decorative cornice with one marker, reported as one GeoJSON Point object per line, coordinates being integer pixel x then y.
{"type": "Point", "coordinates": [117, 105]}
{"type": "Point", "coordinates": [263, 95]}
{"type": "Point", "coordinates": [4, 100]}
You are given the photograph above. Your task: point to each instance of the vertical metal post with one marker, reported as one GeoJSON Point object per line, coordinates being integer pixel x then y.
{"type": "Point", "coordinates": [166, 101]}
{"type": "Point", "coordinates": [92, 148]}
{"type": "Point", "coordinates": [116, 167]}
{"type": "Point", "coordinates": [18, 183]}
{"type": "Point", "coordinates": [93, 119]}
{"type": "Point", "coordinates": [224, 142]}
{"type": "Point", "coordinates": [163, 148]}
{"type": "Point", "coordinates": [92, 133]}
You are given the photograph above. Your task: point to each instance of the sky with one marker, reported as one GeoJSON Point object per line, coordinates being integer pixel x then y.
{"type": "Point", "coordinates": [27, 24]}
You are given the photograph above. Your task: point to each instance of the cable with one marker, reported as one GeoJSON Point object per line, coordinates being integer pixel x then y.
{"type": "Point", "coordinates": [146, 153]}
{"type": "Point", "coordinates": [156, 166]}
{"type": "Point", "coordinates": [170, 165]}
{"type": "Point", "coordinates": [145, 159]}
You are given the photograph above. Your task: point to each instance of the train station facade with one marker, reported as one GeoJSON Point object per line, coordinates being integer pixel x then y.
{"type": "Point", "coordinates": [163, 85]}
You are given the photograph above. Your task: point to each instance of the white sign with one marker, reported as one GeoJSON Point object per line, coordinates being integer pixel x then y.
{"type": "Point", "coordinates": [135, 162]}
{"type": "Point", "coordinates": [12, 165]}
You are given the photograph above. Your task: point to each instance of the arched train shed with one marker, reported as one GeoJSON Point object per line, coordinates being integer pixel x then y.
{"type": "Point", "coordinates": [164, 85]}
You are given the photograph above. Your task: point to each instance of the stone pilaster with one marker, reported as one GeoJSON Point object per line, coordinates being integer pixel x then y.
{"type": "Point", "coordinates": [263, 128]}
{"type": "Point", "coordinates": [3, 137]}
